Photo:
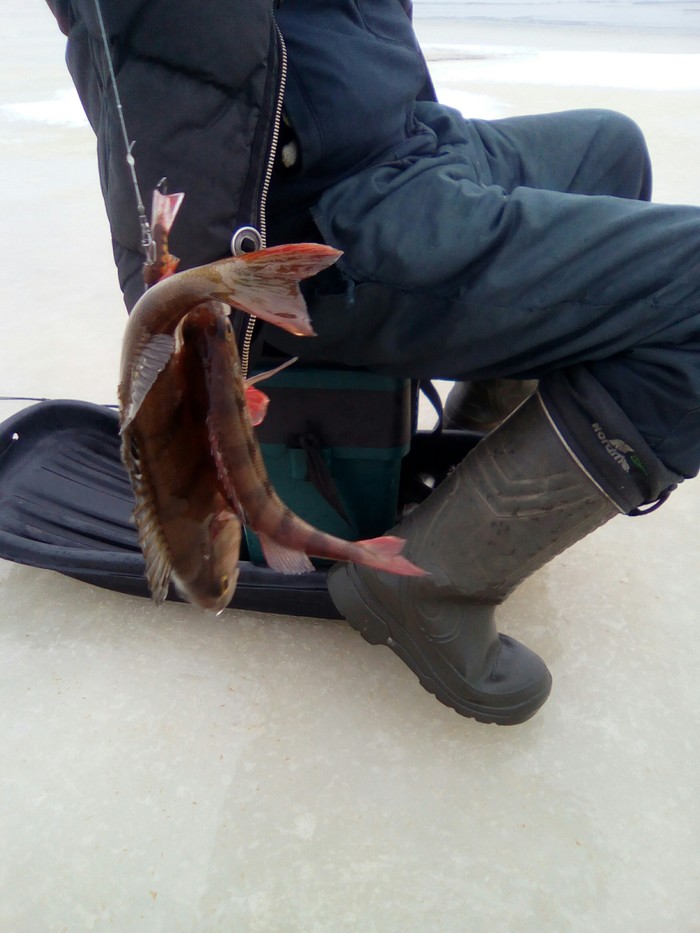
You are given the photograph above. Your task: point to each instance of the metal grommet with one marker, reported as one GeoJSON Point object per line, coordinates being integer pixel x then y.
{"type": "Point", "coordinates": [245, 240]}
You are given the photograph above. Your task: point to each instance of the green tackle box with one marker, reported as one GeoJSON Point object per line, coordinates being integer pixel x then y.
{"type": "Point", "coordinates": [333, 442]}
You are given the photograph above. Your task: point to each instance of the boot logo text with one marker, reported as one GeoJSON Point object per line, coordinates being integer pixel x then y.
{"type": "Point", "coordinates": [621, 453]}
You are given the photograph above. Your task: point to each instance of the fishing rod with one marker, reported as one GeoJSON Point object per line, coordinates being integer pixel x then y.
{"type": "Point", "coordinates": [147, 241]}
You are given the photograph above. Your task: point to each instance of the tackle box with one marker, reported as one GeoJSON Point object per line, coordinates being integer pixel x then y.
{"type": "Point", "coordinates": [333, 442]}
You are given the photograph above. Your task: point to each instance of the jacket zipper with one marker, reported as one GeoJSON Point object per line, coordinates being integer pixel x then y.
{"type": "Point", "coordinates": [267, 180]}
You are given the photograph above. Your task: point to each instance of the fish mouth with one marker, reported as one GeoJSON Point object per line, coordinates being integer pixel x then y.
{"type": "Point", "coordinates": [209, 596]}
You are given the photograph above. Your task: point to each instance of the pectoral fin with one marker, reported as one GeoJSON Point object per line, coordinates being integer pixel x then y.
{"type": "Point", "coordinates": [257, 401]}
{"type": "Point", "coordinates": [145, 369]}
{"type": "Point", "coordinates": [259, 377]}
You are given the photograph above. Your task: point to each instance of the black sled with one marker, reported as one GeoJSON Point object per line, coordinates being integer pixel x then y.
{"type": "Point", "coordinates": [341, 449]}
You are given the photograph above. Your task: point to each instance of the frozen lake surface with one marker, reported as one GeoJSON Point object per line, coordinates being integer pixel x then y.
{"type": "Point", "coordinates": [681, 16]}
{"type": "Point", "coordinates": [161, 771]}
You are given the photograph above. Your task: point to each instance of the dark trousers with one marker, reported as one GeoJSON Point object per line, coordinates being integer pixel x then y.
{"type": "Point", "coordinates": [520, 248]}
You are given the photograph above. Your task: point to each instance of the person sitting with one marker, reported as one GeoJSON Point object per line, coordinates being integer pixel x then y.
{"type": "Point", "coordinates": [523, 249]}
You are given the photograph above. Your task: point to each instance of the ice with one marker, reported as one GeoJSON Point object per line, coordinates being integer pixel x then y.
{"type": "Point", "coordinates": [64, 109]}
{"type": "Point", "coordinates": [657, 71]}
{"type": "Point", "coordinates": [161, 770]}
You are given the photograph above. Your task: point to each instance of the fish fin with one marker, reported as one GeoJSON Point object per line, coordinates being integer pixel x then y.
{"type": "Point", "coordinates": [224, 478]}
{"type": "Point", "coordinates": [257, 400]}
{"type": "Point", "coordinates": [146, 368]}
{"type": "Point", "coordinates": [284, 559]}
{"type": "Point", "coordinates": [161, 264]}
{"type": "Point", "coordinates": [258, 377]}
{"type": "Point", "coordinates": [164, 208]}
{"type": "Point", "coordinates": [257, 403]}
{"type": "Point", "coordinates": [155, 552]}
{"type": "Point", "coordinates": [265, 283]}
{"type": "Point", "coordinates": [385, 554]}
{"type": "Point", "coordinates": [158, 567]}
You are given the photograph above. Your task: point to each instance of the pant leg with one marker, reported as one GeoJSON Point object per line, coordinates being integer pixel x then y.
{"type": "Point", "coordinates": [610, 283]}
{"type": "Point", "coordinates": [456, 278]}
{"type": "Point", "coordinates": [580, 152]}
{"type": "Point", "coordinates": [596, 152]}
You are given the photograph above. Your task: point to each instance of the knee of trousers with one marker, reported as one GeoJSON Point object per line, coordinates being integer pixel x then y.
{"type": "Point", "coordinates": [620, 134]}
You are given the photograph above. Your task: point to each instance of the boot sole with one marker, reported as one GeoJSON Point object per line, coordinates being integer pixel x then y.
{"type": "Point", "coordinates": [351, 602]}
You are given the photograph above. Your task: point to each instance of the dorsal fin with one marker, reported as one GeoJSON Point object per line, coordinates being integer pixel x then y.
{"type": "Point", "coordinates": [158, 567]}
{"type": "Point", "coordinates": [155, 552]}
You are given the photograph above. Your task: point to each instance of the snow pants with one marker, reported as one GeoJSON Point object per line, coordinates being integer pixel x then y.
{"type": "Point", "coordinates": [521, 248]}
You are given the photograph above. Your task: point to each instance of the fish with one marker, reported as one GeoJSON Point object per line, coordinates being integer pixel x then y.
{"type": "Point", "coordinates": [186, 414]}
{"type": "Point", "coordinates": [187, 530]}
{"type": "Point", "coordinates": [161, 264]}
{"type": "Point", "coordinates": [263, 283]}
{"type": "Point", "coordinates": [286, 539]}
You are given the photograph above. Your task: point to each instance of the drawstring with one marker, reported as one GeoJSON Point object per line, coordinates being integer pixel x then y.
{"type": "Point", "coordinates": [653, 506]}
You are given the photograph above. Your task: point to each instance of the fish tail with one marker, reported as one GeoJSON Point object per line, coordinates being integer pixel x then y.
{"type": "Point", "coordinates": [163, 213]}
{"type": "Point", "coordinates": [298, 536]}
{"type": "Point", "coordinates": [164, 208]}
{"type": "Point", "coordinates": [385, 554]}
{"type": "Point", "coordinates": [291, 557]}
{"type": "Point", "coordinates": [292, 261]}
{"type": "Point", "coordinates": [265, 283]}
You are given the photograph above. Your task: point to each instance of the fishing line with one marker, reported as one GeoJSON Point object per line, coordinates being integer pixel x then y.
{"type": "Point", "coordinates": [33, 398]}
{"type": "Point", "coordinates": [147, 241]}
{"type": "Point", "coordinates": [21, 398]}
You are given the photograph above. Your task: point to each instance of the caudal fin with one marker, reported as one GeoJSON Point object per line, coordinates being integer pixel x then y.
{"type": "Point", "coordinates": [164, 208]}
{"type": "Point", "coordinates": [162, 264]}
{"type": "Point", "coordinates": [266, 283]}
{"type": "Point", "coordinates": [385, 554]}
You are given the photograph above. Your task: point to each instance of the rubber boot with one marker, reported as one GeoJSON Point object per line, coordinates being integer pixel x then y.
{"type": "Point", "coordinates": [517, 500]}
{"type": "Point", "coordinates": [483, 405]}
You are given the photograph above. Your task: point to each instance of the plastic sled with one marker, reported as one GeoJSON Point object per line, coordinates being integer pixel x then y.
{"type": "Point", "coordinates": [66, 503]}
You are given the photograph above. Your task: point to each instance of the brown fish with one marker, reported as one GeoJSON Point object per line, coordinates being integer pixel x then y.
{"type": "Point", "coordinates": [181, 393]}
{"type": "Point", "coordinates": [285, 538]}
{"type": "Point", "coordinates": [183, 520]}
{"type": "Point", "coordinates": [263, 283]}
{"type": "Point", "coordinates": [187, 529]}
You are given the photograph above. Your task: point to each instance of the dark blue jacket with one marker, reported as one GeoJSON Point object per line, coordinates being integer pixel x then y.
{"type": "Point", "coordinates": [355, 72]}
{"type": "Point", "coordinates": [201, 86]}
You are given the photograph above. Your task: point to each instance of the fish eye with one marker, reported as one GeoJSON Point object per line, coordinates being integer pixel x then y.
{"type": "Point", "coordinates": [224, 583]}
